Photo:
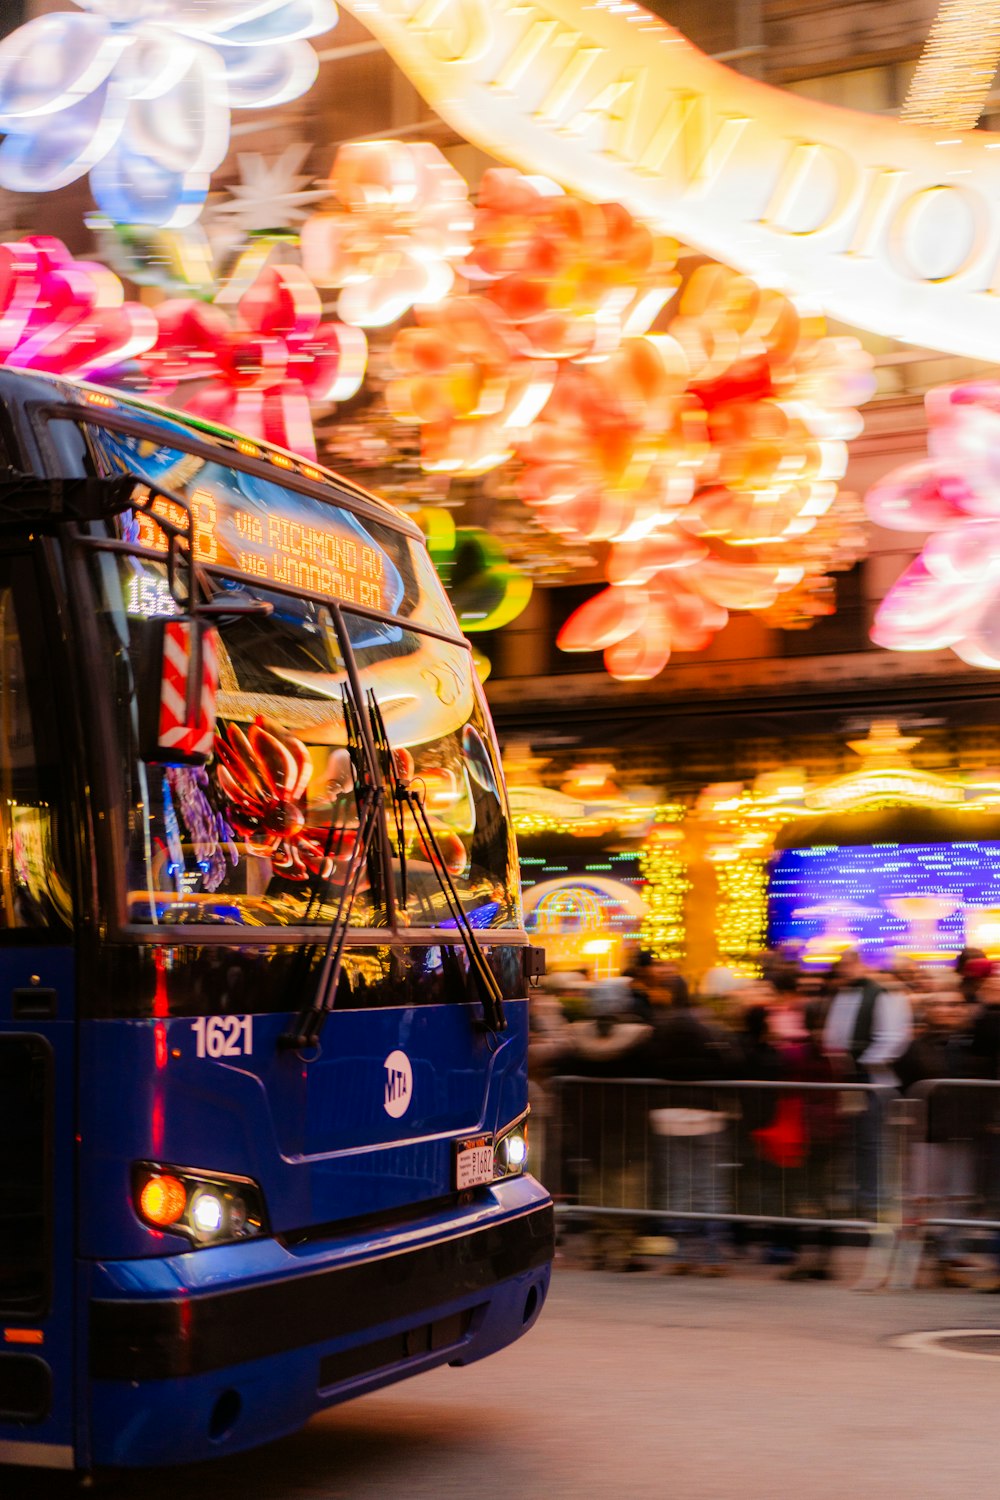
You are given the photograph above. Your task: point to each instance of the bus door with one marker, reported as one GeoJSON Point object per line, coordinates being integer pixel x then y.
{"type": "Point", "coordinates": [37, 1046]}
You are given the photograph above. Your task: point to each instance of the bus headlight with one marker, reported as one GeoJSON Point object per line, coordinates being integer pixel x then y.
{"type": "Point", "coordinates": [206, 1208]}
{"type": "Point", "coordinates": [510, 1149]}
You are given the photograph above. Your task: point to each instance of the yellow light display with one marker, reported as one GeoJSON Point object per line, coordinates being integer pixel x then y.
{"type": "Point", "coordinates": [664, 869]}
{"type": "Point", "coordinates": [741, 916]}
{"type": "Point", "coordinates": [747, 822]}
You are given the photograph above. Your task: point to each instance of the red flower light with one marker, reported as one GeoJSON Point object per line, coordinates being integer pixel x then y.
{"type": "Point", "coordinates": [257, 372]}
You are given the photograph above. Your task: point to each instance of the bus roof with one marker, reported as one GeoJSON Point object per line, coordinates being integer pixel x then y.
{"type": "Point", "coordinates": [17, 386]}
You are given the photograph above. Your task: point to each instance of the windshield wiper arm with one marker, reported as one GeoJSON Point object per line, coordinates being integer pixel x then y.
{"type": "Point", "coordinates": [490, 993]}
{"type": "Point", "coordinates": [310, 1020]}
{"type": "Point", "coordinates": [309, 1023]}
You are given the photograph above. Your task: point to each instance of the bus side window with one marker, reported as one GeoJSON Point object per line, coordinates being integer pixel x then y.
{"type": "Point", "coordinates": [32, 893]}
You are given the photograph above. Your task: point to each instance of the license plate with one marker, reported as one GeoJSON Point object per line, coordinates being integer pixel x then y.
{"type": "Point", "coordinates": [474, 1162]}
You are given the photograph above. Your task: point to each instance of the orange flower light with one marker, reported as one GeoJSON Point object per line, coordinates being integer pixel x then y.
{"type": "Point", "coordinates": [464, 376]}
{"type": "Point", "coordinates": [704, 449]}
{"type": "Point", "coordinates": [747, 467]}
{"type": "Point", "coordinates": [574, 277]}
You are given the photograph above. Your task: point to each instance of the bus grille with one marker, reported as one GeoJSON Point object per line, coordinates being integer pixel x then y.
{"type": "Point", "coordinates": [365, 1359]}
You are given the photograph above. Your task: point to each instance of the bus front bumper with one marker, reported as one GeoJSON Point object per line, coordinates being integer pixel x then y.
{"type": "Point", "coordinates": [217, 1350]}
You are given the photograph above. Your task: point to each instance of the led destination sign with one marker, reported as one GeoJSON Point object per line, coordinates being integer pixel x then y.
{"type": "Point", "coordinates": [259, 527]}
{"type": "Point", "coordinates": [285, 548]}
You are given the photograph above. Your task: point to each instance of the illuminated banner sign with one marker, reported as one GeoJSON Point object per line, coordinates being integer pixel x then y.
{"type": "Point", "coordinates": [889, 226]}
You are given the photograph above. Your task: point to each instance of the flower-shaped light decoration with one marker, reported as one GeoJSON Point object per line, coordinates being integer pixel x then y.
{"type": "Point", "coordinates": [260, 370]}
{"type": "Point", "coordinates": [949, 596]}
{"type": "Point", "coordinates": [486, 590]}
{"type": "Point", "coordinates": [704, 451]}
{"type": "Point", "coordinates": [186, 795]}
{"type": "Point", "coordinates": [731, 439]}
{"type": "Point", "coordinates": [836, 542]}
{"type": "Point", "coordinates": [138, 94]}
{"type": "Point", "coordinates": [466, 377]}
{"type": "Point", "coordinates": [404, 222]}
{"type": "Point", "coordinates": [615, 452]}
{"type": "Point", "coordinates": [574, 277]}
{"type": "Point", "coordinates": [264, 776]}
{"type": "Point", "coordinates": [65, 316]}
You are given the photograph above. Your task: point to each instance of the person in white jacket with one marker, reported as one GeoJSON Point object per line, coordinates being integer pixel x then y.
{"type": "Point", "coordinates": [868, 1028]}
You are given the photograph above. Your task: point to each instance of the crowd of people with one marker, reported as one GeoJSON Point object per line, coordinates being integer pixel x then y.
{"type": "Point", "coordinates": [739, 1154]}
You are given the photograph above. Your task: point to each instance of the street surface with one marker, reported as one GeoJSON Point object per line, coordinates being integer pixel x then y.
{"type": "Point", "coordinates": [651, 1388]}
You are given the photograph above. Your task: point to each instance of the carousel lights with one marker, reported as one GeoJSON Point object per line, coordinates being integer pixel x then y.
{"type": "Point", "coordinates": [139, 96]}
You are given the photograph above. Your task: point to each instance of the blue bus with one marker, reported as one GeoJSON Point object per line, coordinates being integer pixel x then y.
{"type": "Point", "coordinates": [263, 969]}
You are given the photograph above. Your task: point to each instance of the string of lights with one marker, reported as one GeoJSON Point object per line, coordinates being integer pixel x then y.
{"type": "Point", "coordinates": [957, 66]}
{"type": "Point", "coordinates": [664, 869]}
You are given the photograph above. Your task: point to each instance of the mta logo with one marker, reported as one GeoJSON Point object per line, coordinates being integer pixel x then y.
{"type": "Point", "coordinates": [398, 1084]}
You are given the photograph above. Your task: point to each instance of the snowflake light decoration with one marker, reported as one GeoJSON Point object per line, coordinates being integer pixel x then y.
{"type": "Point", "coordinates": [138, 94]}
{"type": "Point", "coordinates": [272, 193]}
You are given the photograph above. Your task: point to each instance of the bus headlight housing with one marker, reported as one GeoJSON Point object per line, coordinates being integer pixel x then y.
{"type": "Point", "coordinates": [510, 1149]}
{"type": "Point", "coordinates": [207, 1208]}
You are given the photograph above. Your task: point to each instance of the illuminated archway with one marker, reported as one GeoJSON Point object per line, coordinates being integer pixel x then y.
{"type": "Point", "coordinates": [584, 923]}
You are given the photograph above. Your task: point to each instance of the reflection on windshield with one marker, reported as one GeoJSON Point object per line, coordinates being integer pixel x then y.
{"type": "Point", "coordinates": [442, 747]}
{"type": "Point", "coordinates": [263, 835]}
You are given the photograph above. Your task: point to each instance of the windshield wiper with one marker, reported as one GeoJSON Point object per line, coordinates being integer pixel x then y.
{"type": "Point", "coordinates": [369, 799]}
{"type": "Point", "coordinates": [403, 796]}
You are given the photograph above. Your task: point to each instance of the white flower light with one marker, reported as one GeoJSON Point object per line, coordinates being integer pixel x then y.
{"type": "Point", "coordinates": [138, 93]}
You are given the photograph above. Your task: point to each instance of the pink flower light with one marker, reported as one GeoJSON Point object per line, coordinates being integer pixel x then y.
{"type": "Point", "coordinates": [65, 316]}
{"type": "Point", "coordinates": [948, 596]}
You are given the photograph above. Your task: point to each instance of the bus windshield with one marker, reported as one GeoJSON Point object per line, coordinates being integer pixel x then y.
{"type": "Point", "coordinates": [262, 836]}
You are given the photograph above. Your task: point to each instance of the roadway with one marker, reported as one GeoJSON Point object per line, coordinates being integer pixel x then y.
{"type": "Point", "coordinates": [652, 1388]}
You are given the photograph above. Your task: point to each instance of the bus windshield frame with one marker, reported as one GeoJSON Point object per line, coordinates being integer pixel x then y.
{"type": "Point", "coordinates": [83, 542]}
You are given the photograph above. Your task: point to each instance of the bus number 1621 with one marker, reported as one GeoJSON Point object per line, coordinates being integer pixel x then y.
{"type": "Point", "coordinates": [223, 1036]}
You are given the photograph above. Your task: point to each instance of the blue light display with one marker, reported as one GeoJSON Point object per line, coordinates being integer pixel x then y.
{"type": "Point", "coordinates": [922, 900]}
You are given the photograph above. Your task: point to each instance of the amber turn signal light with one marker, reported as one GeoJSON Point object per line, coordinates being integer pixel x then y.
{"type": "Point", "coordinates": [162, 1200]}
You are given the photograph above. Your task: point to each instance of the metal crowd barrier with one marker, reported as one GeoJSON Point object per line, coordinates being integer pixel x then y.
{"type": "Point", "coordinates": [809, 1159]}
{"type": "Point", "coordinates": [952, 1180]}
